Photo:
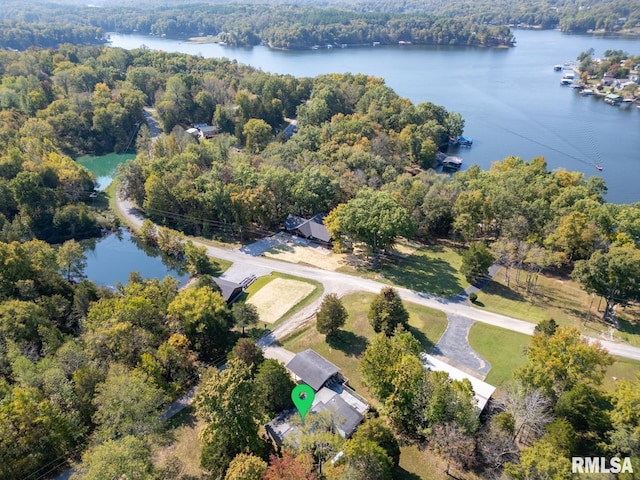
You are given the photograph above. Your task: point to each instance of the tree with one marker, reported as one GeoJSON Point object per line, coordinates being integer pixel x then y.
{"type": "Point", "coordinates": [541, 460]}
{"type": "Point", "coordinates": [377, 431]}
{"type": "Point", "coordinates": [331, 316]}
{"type": "Point", "coordinates": [560, 362]}
{"type": "Point", "coordinates": [624, 416]}
{"type": "Point", "coordinates": [366, 459]}
{"type": "Point", "coordinates": [387, 312]}
{"type": "Point", "coordinates": [273, 388]}
{"type": "Point", "coordinates": [290, 467]}
{"type": "Point", "coordinates": [373, 217]}
{"type": "Point", "coordinates": [244, 315]}
{"type": "Point", "coordinates": [245, 467]}
{"type": "Point", "coordinates": [127, 457]}
{"type": "Point", "coordinates": [248, 352]}
{"type": "Point", "coordinates": [71, 260]}
{"type": "Point", "coordinates": [476, 261]}
{"type": "Point", "coordinates": [127, 403]}
{"type": "Point", "coordinates": [225, 400]}
{"type": "Point", "coordinates": [198, 262]}
{"type": "Point", "coordinates": [611, 275]}
{"type": "Point", "coordinates": [204, 318]}
{"type": "Point", "coordinates": [380, 361]}
{"type": "Point", "coordinates": [257, 133]}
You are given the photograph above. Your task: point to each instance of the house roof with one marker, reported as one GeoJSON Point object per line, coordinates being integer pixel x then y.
{"type": "Point", "coordinates": [312, 369]}
{"type": "Point", "coordinates": [312, 228]}
{"type": "Point", "coordinates": [481, 390]}
{"type": "Point", "coordinates": [345, 418]}
{"type": "Point", "coordinates": [230, 290]}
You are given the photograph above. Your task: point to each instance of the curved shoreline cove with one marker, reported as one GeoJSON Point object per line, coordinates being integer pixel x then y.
{"type": "Point", "coordinates": [112, 258]}
{"type": "Point", "coordinates": [104, 166]}
{"type": "Point", "coordinates": [510, 98]}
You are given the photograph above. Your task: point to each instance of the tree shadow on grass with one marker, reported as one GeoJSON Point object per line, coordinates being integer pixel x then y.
{"type": "Point", "coordinates": [626, 326]}
{"type": "Point", "coordinates": [400, 473]}
{"type": "Point", "coordinates": [500, 290]}
{"type": "Point", "coordinates": [349, 343]}
{"type": "Point", "coordinates": [424, 274]}
{"type": "Point", "coordinates": [421, 337]}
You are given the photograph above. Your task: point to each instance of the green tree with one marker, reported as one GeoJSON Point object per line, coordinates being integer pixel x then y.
{"type": "Point", "coordinates": [625, 419]}
{"type": "Point", "coordinates": [244, 315]}
{"type": "Point", "coordinates": [198, 262]}
{"type": "Point", "coordinates": [558, 363]}
{"type": "Point", "coordinates": [373, 217]}
{"type": "Point", "coordinates": [331, 316]}
{"type": "Point", "coordinates": [377, 431]}
{"type": "Point", "coordinates": [273, 388]}
{"type": "Point", "coordinates": [257, 133]}
{"type": "Point", "coordinates": [380, 361]}
{"type": "Point", "coordinates": [387, 312]}
{"type": "Point", "coordinates": [225, 400]}
{"type": "Point", "coordinates": [127, 403]}
{"type": "Point", "coordinates": [612, 275]}
{"type": "Point", "coordinates": [245, 467]}
{"type": "Point", "coordinates": [204, 318]}
{"type": "Point", "coordinates": [366, 459]}
{"type": "Point", "coordinates": [71, 260]}
{"type": "Point", "coordinates": [476, 261]}
{"type": "Point", "coordinates": [127, 457]}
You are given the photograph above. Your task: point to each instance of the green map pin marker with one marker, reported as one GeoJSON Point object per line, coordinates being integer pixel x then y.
{"type": "Point", "coordinates": [302, 397]}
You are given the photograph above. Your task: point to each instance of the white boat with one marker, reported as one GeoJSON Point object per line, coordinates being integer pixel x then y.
{"type": "Point", "coordinates": [586, 92]}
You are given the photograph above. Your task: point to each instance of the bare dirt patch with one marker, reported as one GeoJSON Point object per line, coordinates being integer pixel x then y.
{"type": "Point", "coordinates": [279, 296]}
{"type": "Point", "coordinates": [297, 250]}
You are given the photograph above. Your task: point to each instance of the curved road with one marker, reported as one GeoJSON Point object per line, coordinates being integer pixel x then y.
{"type": "Point", "coordinates": [342, 283]}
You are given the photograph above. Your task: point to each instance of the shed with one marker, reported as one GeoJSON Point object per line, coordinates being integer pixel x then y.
{"type": "Point", "coordinates": [230, 290]}
{"type": "Point", "coordinates": [312, 369]}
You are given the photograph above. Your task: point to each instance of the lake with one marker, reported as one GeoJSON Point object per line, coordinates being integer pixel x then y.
{"type": "Point", "coordinates": [110, 259]}
{"type": "Point", "coordinates": [511, 99]}
{"type": "Point", "coordinates": [104, 166]}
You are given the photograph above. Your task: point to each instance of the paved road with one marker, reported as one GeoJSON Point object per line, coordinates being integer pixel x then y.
{"type": "Point", "coordinates": [342, 283]}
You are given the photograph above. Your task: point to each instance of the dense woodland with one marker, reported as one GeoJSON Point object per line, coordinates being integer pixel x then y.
{"type": "Point", "coordinates": [72, 354]}
{"type": "Point", "coordinates": [305, 24]}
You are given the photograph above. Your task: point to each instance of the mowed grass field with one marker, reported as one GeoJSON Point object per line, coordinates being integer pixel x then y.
{"type": "Point", "coordinates": [506, 351]}
{"type": "Point", "coordinates": [278, 295]}
{"type": "Point", "coordinates": [346, 347]}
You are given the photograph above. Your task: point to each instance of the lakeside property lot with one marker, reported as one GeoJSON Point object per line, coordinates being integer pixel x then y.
{"type": "Point", "coordinates": [561, 299]}
{"type": "Point", "coordinates": [278, 297]}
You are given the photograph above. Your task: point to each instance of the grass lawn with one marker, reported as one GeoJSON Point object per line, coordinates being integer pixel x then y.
{"type": "Point", "coordinates": [314, 292]}
{"type": "Point", "coordinates": [424, 464]}
{"type": "Point", "coordinates": [346, 347]}
{"type": "Point", "coordinates": [561, 299]}
{"type": "Point", "coordinates": [504, 349]}
{"type": "Point", "coordinates": [431, 269]}
{"type": "Point", "coordinates": [181, 445]}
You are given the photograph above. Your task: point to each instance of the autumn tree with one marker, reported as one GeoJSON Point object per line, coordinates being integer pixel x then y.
{"type": "Point", "coordinates": [290, 467]}
{"type": "Point", "coordinates": [71, 260]}
{"type": "Point", "coordinates": [560, 362]}
{"type": "Point", "coordinates": [387, 312]}
{"type": "Point", "coordinates": [248, 352]}
{"type": "Point", "coordinates": [245, 467]}
{"type": "Point", "coordinates": [331, 316]}
{"type": "Point", "coordinates": [257, 133]}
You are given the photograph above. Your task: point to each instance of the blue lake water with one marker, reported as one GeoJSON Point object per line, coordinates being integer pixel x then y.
{"type": "Point", "coordinates": [110, 260]}
{"type": "Point", "coordinates": [511, 99]}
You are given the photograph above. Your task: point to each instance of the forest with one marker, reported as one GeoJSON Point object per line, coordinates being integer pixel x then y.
{"type": "Point", "coordinates": [71, 353]}
{"type": "Point", "coordinates": [306, 24]}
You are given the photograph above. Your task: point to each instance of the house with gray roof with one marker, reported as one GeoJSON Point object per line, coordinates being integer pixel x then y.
{"type": "Point", "coordinates": [346, 408]}
{"type": "Point", "coordinates": [312, 229]}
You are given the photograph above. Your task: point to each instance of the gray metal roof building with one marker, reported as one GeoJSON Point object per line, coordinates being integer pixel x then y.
{"type": "Point", "coordinates": [312, 369]}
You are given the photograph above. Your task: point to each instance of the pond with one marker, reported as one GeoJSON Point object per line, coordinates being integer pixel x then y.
{"type": "Point", "coordinates": [112, 258]}
{"type": "Point", "coordinates": [104, 166]}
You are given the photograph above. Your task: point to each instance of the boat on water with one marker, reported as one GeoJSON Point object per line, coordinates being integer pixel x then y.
{"type": "Point", "coordinates": [586, 92]}
{"type": "Point", "coordinates": [599, 168]}
{"type": "Point", "coordinates": [557, 68]}
{"type": "Point", "coordinates": [566, 81]}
